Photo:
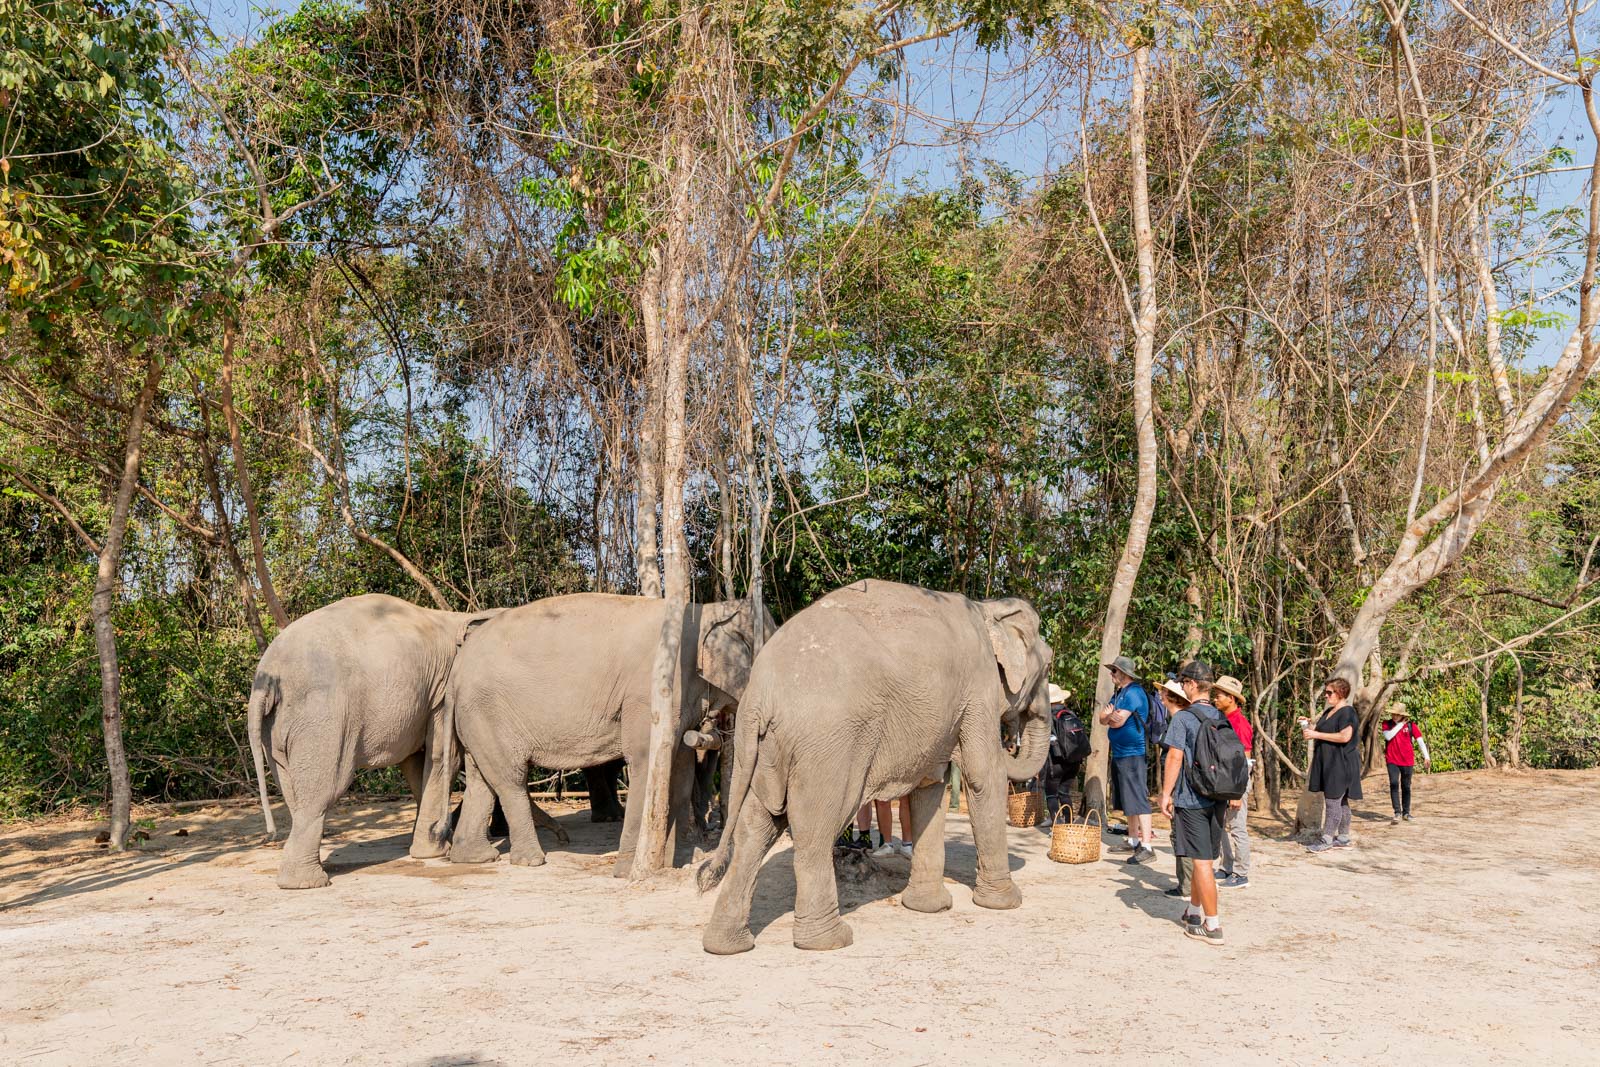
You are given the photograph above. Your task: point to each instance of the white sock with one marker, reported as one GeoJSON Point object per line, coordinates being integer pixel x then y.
{"type": "Point", "coordinates": [1212, 922]}
{"type": "Point", "coordinates": [1190, 909]}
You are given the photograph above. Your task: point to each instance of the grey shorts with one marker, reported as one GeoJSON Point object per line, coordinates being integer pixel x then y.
{"type": "Point", "coordinates": [1197, 833]}
{"type": "Point", "coordinates": [1128, 774]}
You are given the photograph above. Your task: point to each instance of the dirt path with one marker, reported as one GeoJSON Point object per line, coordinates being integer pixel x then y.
{"type": "Point", "coordinates": [1469, 935]}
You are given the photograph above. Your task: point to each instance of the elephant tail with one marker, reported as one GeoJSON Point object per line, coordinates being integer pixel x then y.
{"type": "Point", "coordinates": [746, 731]}
{"type": "Point", "coordinates": [263, 702]}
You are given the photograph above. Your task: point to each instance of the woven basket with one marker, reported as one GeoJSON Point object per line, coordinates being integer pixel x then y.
{"type": "Point", "coordinates": [1024, 808]}
{"type": "Point", "coordinates": [1075, 842]}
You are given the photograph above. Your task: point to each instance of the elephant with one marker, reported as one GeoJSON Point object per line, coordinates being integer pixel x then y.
{"type": "Point", "coordinates": [362, 682]}
{"type": "Point", "coordinates": [866, 695]}
{"type": "Point", "coordinates": [565, 683]}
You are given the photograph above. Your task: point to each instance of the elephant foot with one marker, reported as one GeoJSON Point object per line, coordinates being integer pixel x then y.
{"type": "Point", "coordinates": [836, 934]}
{"type": "Point", "coordinates": [726, 942]}
{"type": "Point", "coordinates": [929, 898]}
{"type": "Point", "coordinates": [605, 816]}
{"type": "Point", "coordinates": [473, 852]}
{"type": "Point", "coordinates": [310, 876]}
{"type": "Point", "coordinates": [527, 857]}
{"type": "Point", "coordinates": [1001, 897]}
{"type": "Point", "coordinates": [428, 850]}
{"type": "Point", "coordinates": [624, 867]}
{"type": "Point", "coordinates": [562, 837]}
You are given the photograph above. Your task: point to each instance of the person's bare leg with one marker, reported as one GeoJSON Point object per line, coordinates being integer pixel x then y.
{"type": "Point", "coordinates": [885, 812]}
{"type": "Point", "coordinates": [864, 821]}
{"type": "Point", "coordinates": [906, 833]}
{"type": "Point", "coordinates": [1146, 831]}
{"type": "Point", "coordinates": [1204, 892]}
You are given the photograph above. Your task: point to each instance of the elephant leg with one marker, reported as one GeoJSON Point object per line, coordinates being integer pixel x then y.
{"type": "Point", "coordinates": [985, 782]}
{"type": "Point", "coordinates": [412, 767]}
{"type": "Point", "coordinates": [631, 817]}
{"type": "Point", "coordinates": [545, 819]}
{"type": "Point", "coordinates": [680, 820]}
{"type": "Point", "coordinates": [728, 931]}
{"type": "Point", "coordinates": [602, 783]}
{"type": "Point", "coordinates": [309, 795]}
{"type": "Point", "coordinates": [816, 898]}
{"type": "Point", "coordinates": [511, 786]}
{"type": "Point", "coordinates": [926, 891]}
{"type": "Point", "coordinates": [469, 842]}
{"type": "Point", "coordinates": [430, 836]}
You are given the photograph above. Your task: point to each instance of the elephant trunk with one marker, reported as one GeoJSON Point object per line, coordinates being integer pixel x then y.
{"type": "Point", "coordinates": [1034, 741]}
{"type": "Point", "coordinates": [746, 732]}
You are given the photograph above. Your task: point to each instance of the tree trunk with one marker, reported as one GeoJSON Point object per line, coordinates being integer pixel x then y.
{"type": "Point", "coordinates": [647, 558]}
{"type": "Point", "coordinates": [1144, 504]}
{"type": "Point", "coordinates": [105, 593]}
{"type": "Point", "coordinates": [241, 471]}
{"type": "Point", "coordinates": [247, 593]}
{"type": "Point", "coordinates": [651, 852]}
{"type": "Point", "coordinates": [1485, 742]}
{"type": "Point", "coordinates": [1514, 741]}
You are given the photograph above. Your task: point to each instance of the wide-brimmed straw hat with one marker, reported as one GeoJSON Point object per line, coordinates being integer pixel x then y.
{"type": "Point", "coordinates": [1230, 685]}
{"type": "Point", "coordinates": [1058, 695]}
{"type": "Point", "coordinates": [1171, 685]}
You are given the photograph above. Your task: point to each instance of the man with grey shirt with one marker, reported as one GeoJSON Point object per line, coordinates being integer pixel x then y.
{"type": "Point", "coordinates": [1198, 823]}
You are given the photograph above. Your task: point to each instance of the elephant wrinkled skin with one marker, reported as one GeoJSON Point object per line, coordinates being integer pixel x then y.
{"type": "Point", "coordinates": [565, 683]}
{"type": "Point", "coordinates": [866, 695]}
{"type": "Point", "coordinates": [359, 683]}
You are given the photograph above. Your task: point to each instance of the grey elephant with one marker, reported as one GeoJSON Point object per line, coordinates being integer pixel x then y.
{"type": "Point", "coordinates": [565, 683]}
{"type": "Point", "coordinates": [359, 683]}
{"type": "Point", "coordinates": [866, 695]}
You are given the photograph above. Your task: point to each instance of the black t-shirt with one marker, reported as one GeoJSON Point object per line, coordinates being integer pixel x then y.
{"type": "Point", "coordinates": [1336, 768]}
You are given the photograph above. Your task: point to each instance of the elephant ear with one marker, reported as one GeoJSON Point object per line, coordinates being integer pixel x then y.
{"type": "Point", "coordinates": [1011, 632]}
{"type": "Point", "coordinates": [726, 647]}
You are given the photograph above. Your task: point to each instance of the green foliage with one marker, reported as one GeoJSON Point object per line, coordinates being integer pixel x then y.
{"type": "Point", "coordinates": [93, 197]}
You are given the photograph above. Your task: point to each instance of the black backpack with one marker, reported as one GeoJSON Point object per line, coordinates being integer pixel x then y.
{"type": "Point", "coordinates": [1069, 741]}
{"type": "Point", "coordinates": [1155, 726]}
{"type": "Point", "coordinates": [1220, 767]}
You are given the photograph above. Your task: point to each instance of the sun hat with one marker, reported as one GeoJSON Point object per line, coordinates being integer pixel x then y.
{"type": "Point", "coordinates": [1125, 665]}
{"type": "Point", "coordinates": [1176, 690]}
{"type": "Point", "coordinates": [1230, 685]}
{"type": "Point", "coordinates": [1058, 695]}
{"type": "Point", "coordinates": [1397, 710]}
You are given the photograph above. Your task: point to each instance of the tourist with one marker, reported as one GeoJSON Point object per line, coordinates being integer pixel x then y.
{"type": "Point", "coordinates": [1175, 700]}
{"type": "Point", "coordinates": [1126, 715]}
{"type": "Point", "coordinates": [1335, 765]}
{"type": "Point", "coordinates": [1069, 747]}
{"type": "Point", "coordinates": [1198, 823]}
{"type": "Point", "coordinates": [1228, 695]}
{"type": "Point", "coordinates": [1401, 739]}
{"type": "Point", "coordinates": [889, 844]}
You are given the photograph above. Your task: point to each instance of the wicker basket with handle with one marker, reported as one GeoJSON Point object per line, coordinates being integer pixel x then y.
{"type": "Point", "coordinates": [1024, 807]}
{"type": "Point", "coordinates": [1075, 842]}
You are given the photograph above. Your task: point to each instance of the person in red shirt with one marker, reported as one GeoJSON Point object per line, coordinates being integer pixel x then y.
{"type": "Point", "coordinates": [1228, 694]}
{"type": "Point", "coordinates": [1402, 738]}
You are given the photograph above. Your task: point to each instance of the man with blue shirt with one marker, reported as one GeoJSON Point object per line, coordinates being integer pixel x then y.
{"type": "Point", "coordinates": [1198, 823]}
{"type": "Point", "coordinates": [1126, 716]}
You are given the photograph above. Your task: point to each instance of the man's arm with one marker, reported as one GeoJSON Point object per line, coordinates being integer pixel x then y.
{"type": "Point", "coordinates": [1169, 778]}
{"type": "Point", "coordinates": [1388, 735]}
{"type": "Point", "coordinates": [1113, 716]}
{"type": "Point", "coordinates": [1423, 745]}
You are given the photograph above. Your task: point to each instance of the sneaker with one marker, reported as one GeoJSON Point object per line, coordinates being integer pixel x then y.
{"type": "Point", "coordinates": [1199, 932]}
{"type": "Point", "coordinates": [888, 848]}
{"type": "Point", "coordinates": [1125, 846]}
{"type": "Point", "coordinates": [1142, 855]}
{"type": "Point", "coordinates": [1320, 845]}
{"type": "Point", "coordinates": [1342, 842]}
{"type": "Point", "coordinates": [1173, 892]}
{"type": "Point", "coordinates": [1234, 881]}
{"type": "Point", "coordinates": [1190, 921]}
{"type": "Point", "coordinates": [905, 849]}
{"type": "Point", "coordinates": [1406, 816]}
{"type": "Point", "coordinates": [1394, 820]}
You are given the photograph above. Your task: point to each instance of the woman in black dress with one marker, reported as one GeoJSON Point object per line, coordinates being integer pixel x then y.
{"type": "Point", "coordinates": [1336, 764]}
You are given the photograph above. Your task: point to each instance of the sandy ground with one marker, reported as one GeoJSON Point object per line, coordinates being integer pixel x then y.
{"type": "Point", "coordinates": [1467, 936]}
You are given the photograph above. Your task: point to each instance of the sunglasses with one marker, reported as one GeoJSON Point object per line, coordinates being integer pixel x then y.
{"type": "Point", "coordinates": [1328, 693]}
